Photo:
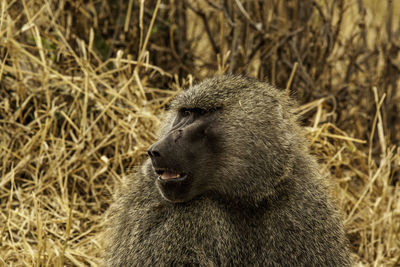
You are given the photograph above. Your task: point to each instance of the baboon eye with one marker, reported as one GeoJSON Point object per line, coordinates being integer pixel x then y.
{"type": "Point", "coordinates": [185, 112]}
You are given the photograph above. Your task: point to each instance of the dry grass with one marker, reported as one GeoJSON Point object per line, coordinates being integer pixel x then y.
{"type": "Point", "coordinates": [82, 86]}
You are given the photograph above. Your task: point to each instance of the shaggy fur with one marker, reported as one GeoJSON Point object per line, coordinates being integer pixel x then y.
{"type": "Point", "coordinates": [263, 202]}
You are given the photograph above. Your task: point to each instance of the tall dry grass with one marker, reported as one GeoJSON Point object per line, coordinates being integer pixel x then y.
{"type": "Point", "coordinates": [83, 86]}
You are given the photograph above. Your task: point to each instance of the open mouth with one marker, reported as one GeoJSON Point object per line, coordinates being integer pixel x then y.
{"type": "Point", "coordinates": [166, 175]}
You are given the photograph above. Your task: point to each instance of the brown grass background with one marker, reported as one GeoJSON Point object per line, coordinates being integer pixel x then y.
{"type": "Point", "coordinates": [83, 85]}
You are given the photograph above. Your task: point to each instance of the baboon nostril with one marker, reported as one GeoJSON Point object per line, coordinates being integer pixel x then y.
{"type": "Point", "coordinates": [153, 153]}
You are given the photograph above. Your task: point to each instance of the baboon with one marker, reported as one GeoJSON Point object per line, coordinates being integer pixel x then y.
{"type": "Point", "coordinates": [230, 182]}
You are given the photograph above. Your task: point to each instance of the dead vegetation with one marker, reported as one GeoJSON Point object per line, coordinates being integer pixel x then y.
{"type": "Point", "coordinates": [82, 85]}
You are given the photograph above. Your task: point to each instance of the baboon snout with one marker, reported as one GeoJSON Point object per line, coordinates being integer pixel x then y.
{"type": "Point", "coordinates": [161, 152]}
{"type": "Point", "coordinates": [153, 151]}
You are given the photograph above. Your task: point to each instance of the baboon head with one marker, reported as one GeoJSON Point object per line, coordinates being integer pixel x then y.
{"type": "Point", "coordinates": [230, 136]}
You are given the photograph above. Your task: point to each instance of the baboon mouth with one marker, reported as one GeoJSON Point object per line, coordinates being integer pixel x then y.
{"type": "Point", "coordinates": [170, 175]}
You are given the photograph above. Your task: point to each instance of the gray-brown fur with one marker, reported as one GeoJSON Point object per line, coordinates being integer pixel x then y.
{"type": "Point", "coordinates": [263, 202]}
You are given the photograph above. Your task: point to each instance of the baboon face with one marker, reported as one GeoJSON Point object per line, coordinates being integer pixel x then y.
{"type": "Point", "coordinates": [184, 157]}
{"type": "Point", "coordinates": [227, 136]}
